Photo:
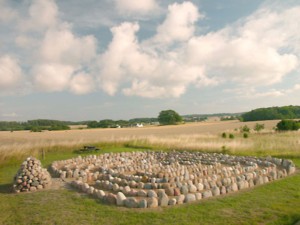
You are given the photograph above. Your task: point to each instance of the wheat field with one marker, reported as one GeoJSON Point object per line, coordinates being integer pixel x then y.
{"type": "Point", "coordinates": [204, 136]}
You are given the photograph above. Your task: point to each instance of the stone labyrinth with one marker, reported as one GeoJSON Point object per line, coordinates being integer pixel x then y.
{"type": "Point", "coordinates": [152, 179]}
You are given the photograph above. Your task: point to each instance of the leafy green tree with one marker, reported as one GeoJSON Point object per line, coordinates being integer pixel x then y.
{"type": "Point", "coordinates": [107, 123]}
{"type": "Point", "coordinates": [284, 125]}
{"type": "Point", "coordinates": [169, 117]}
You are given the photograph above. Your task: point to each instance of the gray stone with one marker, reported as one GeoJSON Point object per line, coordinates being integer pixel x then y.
{"type": "Point", "coordinates": [115, 187]}
{"type": "Point", "coordinates": [111, 199]}
{"type": "Point", "coordinates": [32, 188]}
{"type": "Point", "coordinates": [200, 186]}
{"type": "Point", "coordinates": [143, 203]}
{"type": "Point", "coordinates": [152, 202]}
{"type": "Point", "coordinates": [131, 202]}
{"type": "Point", "coordinates": [207, 194]}
{"type": "Point", "coordinates": [223, 190]}
{"type": "Point", "coordinates": [142, 193]}
{"type": "Point", "coordinates": [291, 169]}
{"type": "Point", "coordinates": [234, 187]}
{"type": "Point", "coordinates": [101, 194]}
{"type": "Point", "coordinates": [90, 191]}
{"type": "Point", "coordinates": [190, 198]}
{"type": "Point", "coordinates": [147, 186]}
{"type": "Point", "coordinates": [258, 180]}
{"type": "Point", "coordinates": [215, 191]}
{"type": "Point", "coordinates": [140, 185]}
{"type": "Point", "coordinates": [172, 201]}
{"type": "Point", "coordinates": [151, 194]}
{"type": "Point", "coordinates": [170, 191]}
{"type": "Point", "coordinates": [176, 191]}
{"type": "Point", "coordinates": [127, 189]}
{"type": "Point", "coordinates": [180, 199]}
{"type": "Point", "coordinates": [198, 196]}
{"type": "Point", "coordinates": [120, 199]}
{"type": "Point", "coordinates": [163, 200]}
{"type": "Point", "coordinates": [184, 190]}
{"type": "Point", "coordinates": [161, 192]}
{"type": "Point", "coordinates": [192, 188]}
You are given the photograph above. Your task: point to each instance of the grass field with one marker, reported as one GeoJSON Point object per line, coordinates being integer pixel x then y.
{"type": "Point", "coordinates": [274, 203]}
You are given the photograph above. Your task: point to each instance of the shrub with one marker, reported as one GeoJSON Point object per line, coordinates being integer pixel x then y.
{"type": "Point", "coordinates": [245, 129]}
{"type": "Point", "coordinates": [258, 127]}
{"type": "Point", "coordinates": [245, 135]}
{"type": "Point", "coordinates": [36, 129]}
{"type": "Point", "coordinates": [224, 135]}
{"type": "Point", "coordinates": [231, 136]}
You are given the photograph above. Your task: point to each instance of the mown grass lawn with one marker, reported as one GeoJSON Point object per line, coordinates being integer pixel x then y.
{"type": "Point", "coordinates": [277, 202]}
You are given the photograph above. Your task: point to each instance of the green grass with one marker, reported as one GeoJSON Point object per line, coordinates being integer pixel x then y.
{"type": "Point", "coordinates": [274, 203]}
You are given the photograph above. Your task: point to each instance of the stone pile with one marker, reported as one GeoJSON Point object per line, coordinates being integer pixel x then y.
{"type": "Point", "coordinates": [152, 179]}
{"type": "Point", "coordinates": [31, 176]}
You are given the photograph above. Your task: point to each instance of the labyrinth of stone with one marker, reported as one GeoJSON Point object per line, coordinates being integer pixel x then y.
{"type": "Point", "coordinates": [152, 179]}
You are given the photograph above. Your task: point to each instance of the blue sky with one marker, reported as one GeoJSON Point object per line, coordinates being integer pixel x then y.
{"type": "Point", "coordinates": [121, 59]}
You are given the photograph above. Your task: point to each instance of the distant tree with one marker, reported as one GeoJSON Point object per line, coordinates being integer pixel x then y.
{"type": "Point", "coordinates": [231, 136]}
{"type": "Point", "coordinates": [92, 124]}
{"type": "Point", "coordinates": [224, 135]}
{"type": "Point", "coordinates": [169, 117]}
{"type": "Point", "coordinates": [59, 127]}
{"type": "Point", "coordinates": [258, 127]}
{"type": "Point", "coordinates": [107, 124]}
{"type": "Point", "coordinates": [245, 135]}
{"type": "Point", "coordinates": [284, 125]}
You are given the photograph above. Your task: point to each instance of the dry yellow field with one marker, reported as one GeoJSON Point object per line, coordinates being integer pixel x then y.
{"type": "Point", "coordinates": [205, 136]}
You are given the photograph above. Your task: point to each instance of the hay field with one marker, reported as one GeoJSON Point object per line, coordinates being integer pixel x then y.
{"type": "Point", "coordinates": [205, 136]}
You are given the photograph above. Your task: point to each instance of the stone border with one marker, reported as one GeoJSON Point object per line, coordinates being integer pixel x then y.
{"type": "Point", "coordinates": [152, 179]}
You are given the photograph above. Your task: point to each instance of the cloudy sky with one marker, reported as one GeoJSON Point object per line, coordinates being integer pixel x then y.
{"type": "Point", "coordinates": [120, 59]}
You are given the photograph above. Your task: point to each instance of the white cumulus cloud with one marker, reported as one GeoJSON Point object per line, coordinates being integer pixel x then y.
{"type": "Point", "coordinates": [42, 14]}
{"type": "Point", "coordinates": [179, 24]}
{"type": "Point", "coordinates": [52, 77]}
{"type": "Point", "coordinates": [61, 45]}
{"type": "Point", "coordinates": [82, 83]}
{"type": "Point", "coordinates": [133, 7]}
{"type": "Point", "coordinates": [10, 72]}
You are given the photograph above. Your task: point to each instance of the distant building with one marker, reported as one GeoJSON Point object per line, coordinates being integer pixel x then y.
{"type": "Point", "coordinates": [139, 125]}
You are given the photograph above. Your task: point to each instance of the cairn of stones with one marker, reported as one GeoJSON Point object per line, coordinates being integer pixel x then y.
{"type": "Point", "coordinates": [31, 176]}
{"type": "Point", "coordinates": [152, 179]}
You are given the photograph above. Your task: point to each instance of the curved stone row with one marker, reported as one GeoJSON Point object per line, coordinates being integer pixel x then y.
{"type": "Point", "coordinates": [151, 179]}
{"type": "Point", "coordinates": [31, 176]}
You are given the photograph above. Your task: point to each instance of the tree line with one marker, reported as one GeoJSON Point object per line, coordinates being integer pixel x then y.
{"type": "Point", "coordinates": [272, 113]}
{"type": "Point", "coordinates": [35, 125]}
{"type": "Point", "coordinates": [108, 123]}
